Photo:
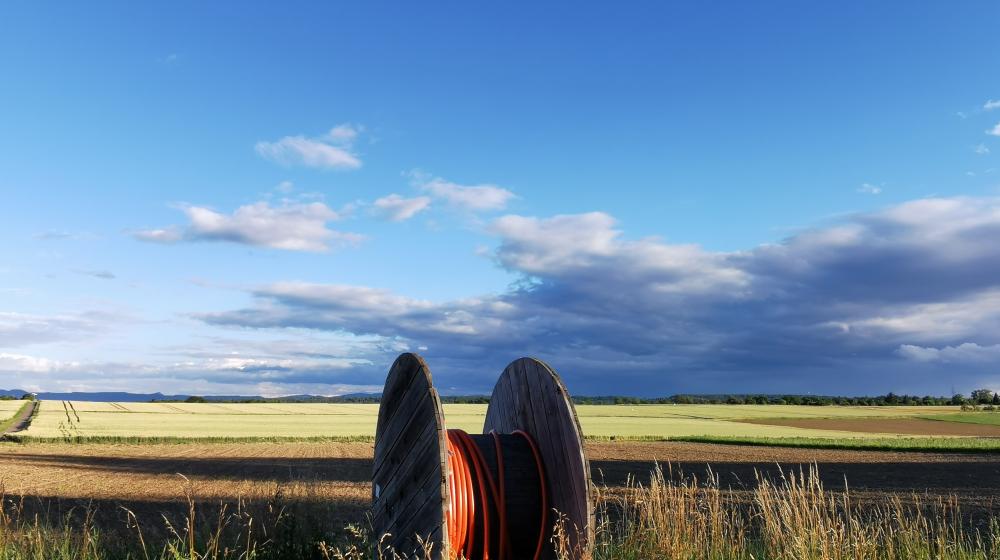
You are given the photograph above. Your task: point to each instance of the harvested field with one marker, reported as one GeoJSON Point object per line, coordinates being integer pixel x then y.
{"type": "Point", "coordinates": [909, 426]}
{"type": "Point", "coordinates": [974, 478]}
{"type": "Point", "coordinates": [147, 478]}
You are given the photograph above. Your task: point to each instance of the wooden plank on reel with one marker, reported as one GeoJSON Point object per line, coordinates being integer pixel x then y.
{"type": "Point", "coordinates": [529, 396]}
{"type": "Point", "coordinates": [409, 489]}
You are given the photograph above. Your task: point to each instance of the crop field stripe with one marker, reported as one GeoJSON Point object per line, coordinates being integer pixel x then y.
{"type": "Point", "coordinates": [144, 440]}
{"type": "Point", "coordinates": [249, 422]}
{"type": "Point", "coordinates": [172, 407]}
{"type": "Point", "coordinates": [8, 423]}
{"type": "Point", "coordinates": [950, 445]}
{"type": "Point", "coordinates": [982, 418]}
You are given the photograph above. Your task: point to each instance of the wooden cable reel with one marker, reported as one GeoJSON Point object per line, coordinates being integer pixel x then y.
{"type": "Point", "coordinates": [531, 429]}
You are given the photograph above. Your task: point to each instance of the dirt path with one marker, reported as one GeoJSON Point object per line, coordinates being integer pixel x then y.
{"type": "Point", "coordinates": [23, 418]}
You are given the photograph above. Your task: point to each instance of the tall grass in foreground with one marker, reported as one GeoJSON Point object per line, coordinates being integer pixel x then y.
{"type": "Point", "coordinates": [275, 527]}
{"type": "Point", "coordinates": [793, 518]}
{"type": "Point", "coordinates": [790, 518]}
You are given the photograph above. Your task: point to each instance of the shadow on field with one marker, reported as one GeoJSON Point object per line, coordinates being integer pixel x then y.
{"type": "Point", "coordinates": [216, 468]}
{"type": "Point", "coordinates": [937, 478]}
{"type": "Point", "coordinates": [157, 520]}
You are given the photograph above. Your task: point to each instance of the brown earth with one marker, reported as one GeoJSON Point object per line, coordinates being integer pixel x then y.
{"type": "Point", "coordinates": [910, 426]}
{"type": "Point", "coordinates": [152, 479]}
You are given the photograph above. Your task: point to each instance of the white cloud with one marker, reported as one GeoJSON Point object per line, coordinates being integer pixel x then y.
{"type": "Point", "coordinates": [968, 352]}
{"type": "Point", "coordinates": [981, 149]}
{"type": "Point", "coordinates": [397, 208]}
{"type": "Point", "coordinates": [868, 188]}
{"type": "Point", "coordinates": [851, 298]}
{"type": "Point", "coordinates": [474, 198]}
{"type": "Point", "coordinates": [344, 133]}
{"type": "Point", "coordinates": [160, 235]}
{"type": "Point", "coordinates": [564, 246]}
{"type": "Point", "coordinates": [995, 131]}
{"type": "Point", "coordinates": [292, 226]}
{"type": "Point", "coordinates": [20, 329]}
{"type": "Point", "coordinates": [22, 363]}
{"type": "Point", "coordinates": [991, 104]}
{"type": "Point", "coordinates": [333, 150]}
{"type": "Point", "coordinates": [269, 369]}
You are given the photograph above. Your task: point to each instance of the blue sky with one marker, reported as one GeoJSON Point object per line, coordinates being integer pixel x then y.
{"type": "Point", "coordinates": [658, 197]}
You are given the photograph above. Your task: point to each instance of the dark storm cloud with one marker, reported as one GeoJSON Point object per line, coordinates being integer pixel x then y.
{"type": "Point", "coordinates": [906, 299]}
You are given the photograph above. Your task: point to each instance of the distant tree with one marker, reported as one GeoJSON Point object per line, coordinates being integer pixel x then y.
{"type": "Point", "coordinates": [194, 399]}
{"type": "Point", "coordinates": [996, 399]}
{"type": "Point", "coordinates": [982, 396]}
{"type": "Point", "coordinates": [28, 397]}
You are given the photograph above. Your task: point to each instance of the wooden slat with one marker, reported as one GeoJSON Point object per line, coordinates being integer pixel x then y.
{"type": "Point", "coordinates": [530, 396]}
{"type": "Point", "coordinates": [409, 494]}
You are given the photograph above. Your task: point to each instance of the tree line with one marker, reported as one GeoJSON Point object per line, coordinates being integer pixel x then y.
{"type": "Point", "coordinates": [979, 396]}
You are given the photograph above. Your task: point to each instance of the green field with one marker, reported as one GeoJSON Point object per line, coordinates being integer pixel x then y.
{"type": "Point", "coordinates": [58, 420]}
{"type": "Point", "coordinates": [985, 418]}
{"type": "Point", "coordinates": [7, 411]}
{"type": "Point", "coordinates": [869, 442]}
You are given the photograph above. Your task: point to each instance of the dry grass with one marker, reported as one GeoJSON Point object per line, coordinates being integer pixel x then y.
{"type": "Point", "coordinates": [792, 518]}
{"type": "Point", "coordinates": [308, 500]}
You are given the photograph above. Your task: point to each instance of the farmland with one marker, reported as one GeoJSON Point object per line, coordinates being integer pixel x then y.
{"type": "Point", "coordinates": [300, 473]}
{"type": "Point", "coordinates": [306, 492]}
{"type": "Point", "coordinates": [11, 414]}
{"type": "Point", "coordinates": [89, 421]}
{"type": "Point", "coordinates": [8, 409]}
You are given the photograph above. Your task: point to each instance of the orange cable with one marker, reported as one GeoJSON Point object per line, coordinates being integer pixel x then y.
{"type": "Point", "coordinates": [541, 482]}
{"type": "Point", "coordinates": [464, 458]}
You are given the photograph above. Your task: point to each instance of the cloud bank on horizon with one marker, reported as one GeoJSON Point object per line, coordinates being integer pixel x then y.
{"type": "Point", "coordinates": [908, 296]}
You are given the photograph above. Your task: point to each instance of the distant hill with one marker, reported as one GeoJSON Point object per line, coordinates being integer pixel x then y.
{"type": "Point", "coordinates": [111, 396]}
{"type": "Point", "coordinates": [99, 397]}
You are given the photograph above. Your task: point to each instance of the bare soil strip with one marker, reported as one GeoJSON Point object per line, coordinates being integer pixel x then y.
{"type": "Point", "coordinates": [909, 426]}
{"type": "Point", "coordinates": [335, 478]}
{"type": "Point", "coordinates": [23, 418]}
{"type": "Point", "coordinates": [340, 472]}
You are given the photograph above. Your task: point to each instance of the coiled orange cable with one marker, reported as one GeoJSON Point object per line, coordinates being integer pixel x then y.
{"type": "Point", "coordinates": [466, 465]}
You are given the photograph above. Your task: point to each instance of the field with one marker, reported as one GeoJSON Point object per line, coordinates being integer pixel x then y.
{"type": "Point", "coordinates": [866, 426]}
{"type": "Point", "coordinates": [992, 418]}
{"type": "Point", "coordinates": [321, 487]}
{"type": "Point", "coordinates": [101, 481]}
{"type": "Point", "coordinates": [8, 410]}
